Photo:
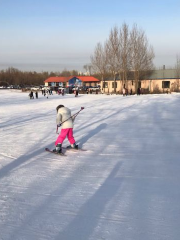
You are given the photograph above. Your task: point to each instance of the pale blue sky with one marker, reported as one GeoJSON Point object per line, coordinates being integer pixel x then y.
{"type": "Point", "coordinates": [42, 35]}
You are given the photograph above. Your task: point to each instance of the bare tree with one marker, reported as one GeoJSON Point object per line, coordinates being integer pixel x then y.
{"type": "Point", "coordinates": [113, 53]}
{"type": "Point", "coordinates": [177, 66]}
{"type": "Point", "coordinates": [74, 73]}
{"type": "Point", "coordinates": [99, 61]}
{"type": "Point", "coordinates": [142, 54]}
{"type": "Point", "coordinates": [89, 68]}
{"type": "Point", "coordinates": [124, 52]}
{"type": "Point", "coordinates": [85, 67]}
{"type": "Point", "coordinates": [176, 84]}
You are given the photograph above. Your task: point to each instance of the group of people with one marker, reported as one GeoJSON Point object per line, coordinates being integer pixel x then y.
{"type": "Point", "coordinates": [60, 91]}
{"type": "Point", "coordinates": [125, 91]}
{"type": "Point", "coordinates": [89, 90]}
{"type": "Point", "coordinates": [47, 92]}
{"type": "Point", "coordinates": [31, 94]}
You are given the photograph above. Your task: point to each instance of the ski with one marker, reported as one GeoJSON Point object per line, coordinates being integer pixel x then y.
{"type": "Point", "coordinates": [73, 149]}
{"type": "Point", "coordinates": [60, 154]}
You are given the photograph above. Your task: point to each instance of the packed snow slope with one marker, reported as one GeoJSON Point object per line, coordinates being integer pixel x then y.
{"type": "Point", "coordinates": [125, 187]}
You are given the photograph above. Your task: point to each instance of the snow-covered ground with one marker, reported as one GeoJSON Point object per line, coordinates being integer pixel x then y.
{"type": "Point", "coordinates": [125, 187]}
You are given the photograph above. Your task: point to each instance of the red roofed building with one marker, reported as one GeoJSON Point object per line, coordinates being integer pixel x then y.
{"type": "Point", "coordinates": [72, 81]}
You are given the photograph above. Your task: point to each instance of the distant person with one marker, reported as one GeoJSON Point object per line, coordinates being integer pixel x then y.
{"type": "Point", "coordinates": [124, 91]}
{"type": "Point", "coordinates": [47, 93]}
{"type": "Point", "coordinates": [138, 91]}
{"type": "Point", "coordinates": [36, 94]}
{"type": "Point", "coordinates": [31, 95]}
{"type": "Point", "coordinates": [76, 92]}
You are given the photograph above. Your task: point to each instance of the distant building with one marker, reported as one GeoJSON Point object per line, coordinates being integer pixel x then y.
{"type": "Point", "coordinates": [159, 81]}
{"type": "Point", "coordinates": [71, 81]}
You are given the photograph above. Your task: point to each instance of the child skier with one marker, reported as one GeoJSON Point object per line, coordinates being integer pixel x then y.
{"type": "Point", "coordinates": [64, 113]}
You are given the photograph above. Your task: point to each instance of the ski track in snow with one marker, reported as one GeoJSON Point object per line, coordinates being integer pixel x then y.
{"type": "Point", "coordinates": [126, 186]}
{"type": "Point", "coordinates": [8, 156]}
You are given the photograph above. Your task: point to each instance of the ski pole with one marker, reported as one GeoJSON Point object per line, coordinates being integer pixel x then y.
{"type": "Point", "coordinates": [74, 115]}
{"type": "Point", "coordinates": [57, 129]}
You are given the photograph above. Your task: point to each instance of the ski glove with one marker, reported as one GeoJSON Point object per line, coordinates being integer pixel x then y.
{"type": "Point", "coordinates": [73, 118]}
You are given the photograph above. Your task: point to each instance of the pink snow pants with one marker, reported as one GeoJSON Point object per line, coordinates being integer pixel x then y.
{"type": "Point", "coordinates": [65, 132]}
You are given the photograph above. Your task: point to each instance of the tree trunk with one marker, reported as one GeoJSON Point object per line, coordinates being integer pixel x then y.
{"type": "Point", "coordinates": [114, 83]}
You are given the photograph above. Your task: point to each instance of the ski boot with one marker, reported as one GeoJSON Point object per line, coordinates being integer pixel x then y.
{"type": "Point", "coordinates": [73, 146]}
{"type": "Point", "coordinates": [58, 148]}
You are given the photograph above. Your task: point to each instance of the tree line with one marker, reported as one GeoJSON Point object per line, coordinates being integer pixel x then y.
{"type": "Point", "coordinates": [13, 76]}
{"type": "Point", "coordinates": [125, 54]}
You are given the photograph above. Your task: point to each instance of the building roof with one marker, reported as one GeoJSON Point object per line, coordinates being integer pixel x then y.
{"type": "Point", "coordinates": [163, 74]}
{"type": "Point", "coordinates": [153, 75]}
{"type": "Point", "coordinates": [57, 79]}
{"type": "Point", "coordinates": [88, 79]}
{"type": "Point", "coordinates": [66, 79]}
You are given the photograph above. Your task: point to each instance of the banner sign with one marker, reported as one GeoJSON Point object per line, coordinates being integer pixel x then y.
{"type": "Point", "coordinates": [75, 82]}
